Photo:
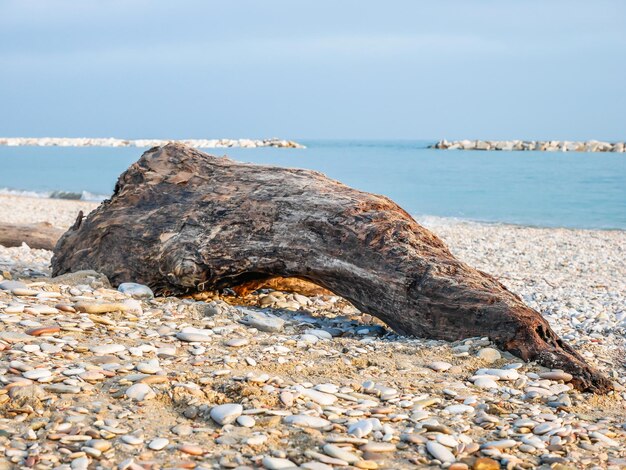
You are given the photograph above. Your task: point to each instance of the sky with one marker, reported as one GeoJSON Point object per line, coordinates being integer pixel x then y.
{"type": "Point", "coordinates": [360, 69]}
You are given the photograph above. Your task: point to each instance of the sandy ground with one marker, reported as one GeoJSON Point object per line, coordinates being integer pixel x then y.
{"type": "Point", "coordinates": [328, 387]}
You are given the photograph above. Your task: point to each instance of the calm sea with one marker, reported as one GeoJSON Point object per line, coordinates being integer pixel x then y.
{"type": "Point", "coordinates": [579, 190]}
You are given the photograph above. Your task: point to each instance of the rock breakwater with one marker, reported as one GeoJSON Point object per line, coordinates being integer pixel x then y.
{"type": "Point", "coordinates": [113, 142]}
{"type": "Point", "coordinates": [537, 145]}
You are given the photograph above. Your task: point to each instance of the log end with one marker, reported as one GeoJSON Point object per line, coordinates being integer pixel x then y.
{"type": "Point", "coordinates": [536, 341]}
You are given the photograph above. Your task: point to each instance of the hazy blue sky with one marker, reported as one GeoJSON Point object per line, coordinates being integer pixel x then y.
{"type": "Point", "coordinates": [313, 69]}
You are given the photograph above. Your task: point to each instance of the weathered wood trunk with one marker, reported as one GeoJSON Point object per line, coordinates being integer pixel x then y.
{"type": "Point", "coordinates": [182, 221]}
{"type": "Point", "coordinates": [42, 235]}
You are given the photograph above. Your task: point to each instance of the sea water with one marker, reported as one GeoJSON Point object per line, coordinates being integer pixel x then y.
{"type": "Point", "coordinates": [577, 190]}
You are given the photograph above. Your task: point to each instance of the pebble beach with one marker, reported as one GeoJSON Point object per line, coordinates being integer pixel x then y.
{"type": "Point", "coordinates": [97, 377]}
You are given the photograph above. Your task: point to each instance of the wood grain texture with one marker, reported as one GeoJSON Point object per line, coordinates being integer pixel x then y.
{"type": "Point", "coordinates": [41, 235]}
{"type": "Point", "coordinates": [182, 221]}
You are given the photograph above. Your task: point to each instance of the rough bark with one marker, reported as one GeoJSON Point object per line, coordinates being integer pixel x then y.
{"type": "Point", "coordinates": [182, 221]}
{"type": "Point", "coordinates": [42, 235]}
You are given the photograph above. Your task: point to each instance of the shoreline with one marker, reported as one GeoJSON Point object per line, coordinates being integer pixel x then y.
{"type": "Point", "coordinates": [93, 200]}
{"type": "Point", "coordinates": [114, 142]}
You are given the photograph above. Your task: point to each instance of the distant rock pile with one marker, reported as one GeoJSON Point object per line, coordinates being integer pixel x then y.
{"type": "Point", "coordinates": [112, 142]}
{"type": "Point", "coordinates": [537, 145]}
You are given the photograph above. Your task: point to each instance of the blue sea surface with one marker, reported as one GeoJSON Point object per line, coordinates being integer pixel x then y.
{"type": "Point", "coordinates": [577, 190]}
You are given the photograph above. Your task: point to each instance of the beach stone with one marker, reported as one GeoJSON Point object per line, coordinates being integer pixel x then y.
{"type": "Point", "coordinates": [543, 428]}
{"type": "Point", "coordinates": [604, 439]}
{"type": "Point", "coordinates": [15, 337]}
{"type": "Point", "coordinates": [43, 330]}
{"type": "Point", "coordinates": [36, 374]}
{"type": "Point", "coordinates": [191, 449]}
{"type": "Point", "coordinates": [154, 379]}
{"type": "Point", "coordinates": [366, 464]}
{"type": "Point", "coordinates": [182, 430]}
{"type": "Point", "coordinates": [361, 428]}
{"type": "Point", "coordinates": [100, 444]}
{"type": "Point", "coordinates": [14, 308]}
{"type": "Point", "coordinates": [24, 292]}
{"type": "Point", "coordinates": [447, 440]}
{"type": "Point", "coordinates": [80, 463]}
{"type": "Point", "coordinates": [378, 447]}
{"type": "Point", "coordinates": [276, 463]}
{"type": "Point", "coordinates": [502, 444]}
{"type": "Point", "coordinates": [62, 389]}
{"type": "Point", "coordinates": [501, 374]}
{"type": "Point", "coordinates": [262, 321]}
{"type": "Point", "coordinates": [327, 388]}
{"type": "Point", "coordinates": [50, 348]}
{"type": "Point", "coordinates": [91, 375]}
{"type": "Point", "coordinates": [459, 409]}
{"type": "Point", "coordinates": [27, 391]}
{"type": "Point", "coordinates": [436, 427]}
{"type": "Point", "coordinates": [136, 291]}
{"type": "Point", "coordinates": [246, 421]}
{"type": "Point", "coordinates": [556, 375]}
{"type": "Point", "coordinates": [458, 466]}
{"type": "Point", "coordinates": [226, 414]}
{"type": "Point", "coordinates": [131, 439]}
{"type": "Point", "coordinates": [158, 443]}
{"type": "Point", "coordinates": [148, 367]}
{"type": "Point", "coordinates": [314, 465]}
{"type": "Point", "coordinates": [306, 421]}
{"type": "Point", "coordinates": [10, 285]}
{"type": "Point", "coordinates": [485, 382]}
{"type": "Point", "coordinates": [321, 334]}
{"type": "Point", "coordinates": [440, 452]}
{"type": "Point", "coordinates": [166, 351]}
{"type": "Point", "coordinates": [105, 349]}
{"type": "Point", "coordinates": [312, 339]}
{"type": "Point", "coordinates": [237, 342]}
{"type": "Point", "coordinates": [340, 453]}
{"type": "Point", "coordinates": [439, 366]}
{"type": "Point", "coordinates": [320, 398]}
{"type": "Point", "coordinates": [287, 398]}
{"type": "Point", "coordinates": [489, 354]}
{"type": "Point", "coordinates": [485, 463]}
{"type": "Point", "coordinates": [133, 306]}
{"type": "Point", "coordinates": [261, 378]}
{"type": "Point", "coordinates": [41, 310]}
{"type": "Point", "coordinates": [140, 392]}
{"type": "Point", "coordinates": [193, 337]}
{"type": "Point", "coordinates": [100, 307]}
{"type": "Point", "coordinates": [256, 440]}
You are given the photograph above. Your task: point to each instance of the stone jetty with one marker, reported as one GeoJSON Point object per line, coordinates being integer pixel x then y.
{"type": "Point", "coordinates": [112, 142]}
{"type": "Point", "coordinates": [537, 145]}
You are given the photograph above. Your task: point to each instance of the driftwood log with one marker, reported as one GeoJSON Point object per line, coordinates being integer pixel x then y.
{"type": "Point", "coordinates": [42, 235]}
{"type": "Point", "coordinates": [182, 221]}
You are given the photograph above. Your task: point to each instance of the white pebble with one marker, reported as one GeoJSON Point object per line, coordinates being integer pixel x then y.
{"type": "Point", "coordinates": [158, 443]}
{"type": "Point", "coordinates": [440, 452]}
{"type": "Point", "coordinates": [246, 421]}
{"type": "Point", "coordinates": [140, 392]}
{"type": "Point", "coordinates": [226, 414]}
